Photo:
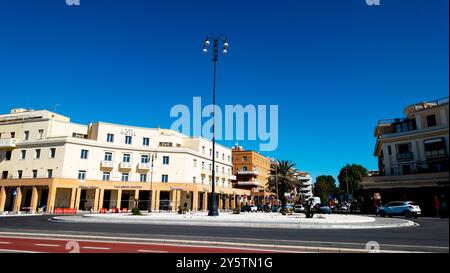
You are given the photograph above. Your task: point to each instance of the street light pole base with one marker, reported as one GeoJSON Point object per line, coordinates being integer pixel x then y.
{"type": "Point", "coordinates": [213, 213]}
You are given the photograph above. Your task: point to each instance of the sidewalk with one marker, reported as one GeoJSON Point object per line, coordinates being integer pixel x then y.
{"type": "Point", "coordinates": [250, 220]}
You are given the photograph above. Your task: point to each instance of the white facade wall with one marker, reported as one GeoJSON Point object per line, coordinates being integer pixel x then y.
{"type": "Point", "coordinates": [58, 132]}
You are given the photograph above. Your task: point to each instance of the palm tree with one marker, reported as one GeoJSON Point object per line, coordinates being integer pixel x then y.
{"type": "Point", "coordinates": [285, 178]}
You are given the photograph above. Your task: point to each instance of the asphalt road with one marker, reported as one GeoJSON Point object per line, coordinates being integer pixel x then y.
{"type": "Point", "coordinates": [431, 235]}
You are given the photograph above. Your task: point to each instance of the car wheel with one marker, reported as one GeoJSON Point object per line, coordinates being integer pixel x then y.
{"type": "Point", "coordinates": [407, 214]}
{"type": "Point", "coordinates": [382, 214]}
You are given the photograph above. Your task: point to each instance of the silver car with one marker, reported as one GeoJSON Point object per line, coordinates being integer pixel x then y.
{"type": "Point", "coordinates": [298, 208]}
{"type": "Point", "coordinates": [405, 208]}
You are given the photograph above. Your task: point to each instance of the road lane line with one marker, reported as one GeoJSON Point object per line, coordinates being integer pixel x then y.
{"type": "Point", "coordinates": [97, 248]}
{"type": "Point", "coordinates": [18, 251]}
{"type": "Point", "coordinates": [5, 243]}
{"type": "Point", "coordinates": [48, 245]}
{"type": "Point", "coordinates": [152, 251]}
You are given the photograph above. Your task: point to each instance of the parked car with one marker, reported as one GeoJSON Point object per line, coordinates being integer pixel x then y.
{"type": "Point", "coordinates": [322, 208]}
{"type": "Point", "coordinates": [405, 208]}
{"type": "Point", "coordinates": [298, 208]}
{"type": "Point", "coordinates": [342, 208]}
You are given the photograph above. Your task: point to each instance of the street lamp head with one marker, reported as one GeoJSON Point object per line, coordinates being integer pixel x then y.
{"type": "Point", "coordinates": [225, 51]}
{"type": "Point", "coordinates": [207, 42]}
{"type": "Point", "coordinates": [225, 45]}
{"type": "Point", "coordinates": [205, 50]}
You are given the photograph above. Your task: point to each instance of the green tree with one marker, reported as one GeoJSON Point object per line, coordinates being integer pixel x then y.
{"type": "Point", "coordinates": [285, 178]}
{"type": "Point", "coordinates": [354, 173]}
{"type": "Point", "coordinates": [324, 186]}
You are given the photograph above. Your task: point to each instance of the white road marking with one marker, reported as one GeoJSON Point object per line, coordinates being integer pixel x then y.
{"type": "Point", "coordinates": [152, 251]}
{"type": "Point", "coordinates": [93, 247]}
{"type": "Point", "coordinates": [17, 251]}
{"type": "Point", "coordinates": [5, 243]}
{"type": "Point", "coordinates": [47, 245]}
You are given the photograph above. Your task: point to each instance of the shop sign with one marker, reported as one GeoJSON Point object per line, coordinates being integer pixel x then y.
{"type": "Point", "coordinates": [88, 187]}
{"type": "Point", "coordinates": [127, 187]}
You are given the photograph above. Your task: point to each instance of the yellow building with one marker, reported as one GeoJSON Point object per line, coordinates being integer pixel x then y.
{"type": "Point", "coordinates": [48, 163]}
{"type": "Point", "coordinates": [252, 172]}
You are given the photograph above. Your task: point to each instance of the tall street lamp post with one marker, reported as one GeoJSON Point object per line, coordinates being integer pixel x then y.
{"type": "Point", "coordinates": [213, 210]}
{"type": "Point", "coordinates": [153, 156]}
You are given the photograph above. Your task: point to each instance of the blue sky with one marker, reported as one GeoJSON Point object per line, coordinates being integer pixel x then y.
{"type": "Point", "coordinates": [334, 67]}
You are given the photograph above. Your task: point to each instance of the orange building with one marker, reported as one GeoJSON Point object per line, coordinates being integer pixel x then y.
{"type": "Point", "coordinates": [252, 172]}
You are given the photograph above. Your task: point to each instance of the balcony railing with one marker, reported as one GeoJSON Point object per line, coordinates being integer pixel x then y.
{"type": "Point", "coordinates": [249, 183]}
{"type": "Point", "coordinates": [248, 172]}
{"type": "Point", "coordinates": [106, 164]}
{"type": "Point", "coordinates": [435, 153]}
{"type": "Point", "coordinates": [125, 165]}
{"type": "Point", "coordinates": [144, 166]}
{"type": "Point", "coordinates": [404, 156]}
{"type": "Point", "coordinates": [8, 143]}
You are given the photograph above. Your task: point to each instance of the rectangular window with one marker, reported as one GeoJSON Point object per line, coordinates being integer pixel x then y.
{"type": "Point", "coordinates": [229, 158]}
{"type": "Point", "coordinates": [217, 154]}
{"type": "Point", "coordinates": [194, 179]}
{"type": "Point", "coordinates": [431, 120]}
{"type": "Point", "coordinates": [165, 160]}
{"type": "Point", "coordinates": [110, 138]}
{"type": "Point", "coordinates": [389, 150]}
{"type": "Point", "coordinates": [244, 168]}
{"type": "Point", "coordinates": [165, 144]}
{"type": "Point", "coordinates": [81, 175]}
{"type": "Point", "coordinates": [19, 174]}
{"type": "Point", "coordinates": [106, 176]}
{"type": "Point", "coordinates": [435, 147]}
{"type": "Point", "coordinates": [144, 158]}
{"type": "Point", "coordinates": [26, 135]}
{"type": "Point", "coordinates": [146, 141]}
{"type": "Point", "coordinates": [143, 177]}
{"type": "Point", "coordinates": [37, 154]}
{"type": "Point", "coordinates": [203, 149]}
{"type": "Point", "coordinates": [49, 173]}
{"type": "Point", "coordinates": [8, 155]}
{"type": "Point", "coordinates": [5, 175]}
{"type": "Point", "coordinates": [125, 177]}
{"type": "Point", "coordinates": [210, 152]}
{"type": "Point", "coordinates": [244, 158]}
{"type": "Point", "coordinates": [223, 156]}
{"type": "Point", "coordinates": [23, 154]}
{"type": "Point", "coordinates": [194, 163]}
{"type": "Point", "coordinates": [126, 158]}
{"type": "Point", "coordinates": [13, 134]}
{"type": "Point", "coordinates": [164, 178]}
{"type": "Point", "coordinates": [84, 154]}
{"type": "Point", "coordinates": [52, 152]}
{"type": "Point", "coordinates": [108, 156]}
{"type": "Point", "coordinates": [34, 173]}
{"type": "Point", "coordinates": [128, 139]}
{"type": "Point", "coordinates": [40, 134]}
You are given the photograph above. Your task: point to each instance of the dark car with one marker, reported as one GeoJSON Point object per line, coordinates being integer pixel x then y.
{"type": "Point", "coordinates": [322, 208]}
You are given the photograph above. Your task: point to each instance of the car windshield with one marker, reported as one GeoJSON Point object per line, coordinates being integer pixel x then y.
{"type": "Point", "coordinates": [412, 203]}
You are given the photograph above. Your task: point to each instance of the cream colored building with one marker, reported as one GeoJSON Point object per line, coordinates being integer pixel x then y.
{"type": "Point", "coordinates": [413, 155]}
{"type": "Point", "coordinates": [48, 162]}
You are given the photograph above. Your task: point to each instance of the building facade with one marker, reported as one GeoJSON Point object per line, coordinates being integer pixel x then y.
{"type": "Point", "coordinates": [413, 157]}
{"type": "Point", "coordinates": [305, 191]}
{"type": "Point", "coordinates": [48, 162]}
{"type": "Point", "coordinates": [252, 171]}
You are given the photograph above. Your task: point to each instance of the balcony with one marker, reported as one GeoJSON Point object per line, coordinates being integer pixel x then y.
{"type": "Point", "coordinates": [144, 166]}
{"type": "Point", "coordinates": [248, 172]}
{"type": "Point", "coordinates": [435, 153]}
{"type": "Point", "coordinates": [105, 164]}
{"type": "Point", "coordinates": [231, 177]}
{"type": "Point", "coordinates": [249, 183]}
{"type": "Point", "coordinates": [404, 156]}
{"type": "Point", "coordinates": [8, 143]}
{"type": "Point", "coordinates": [125, 165]}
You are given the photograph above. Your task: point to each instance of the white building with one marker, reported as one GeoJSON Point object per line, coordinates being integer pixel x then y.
{"type": "Point", "coordinates": [50, 161]}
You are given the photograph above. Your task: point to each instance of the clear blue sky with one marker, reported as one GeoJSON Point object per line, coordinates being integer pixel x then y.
{"type": "Point", "coordinates": [334, 67]}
